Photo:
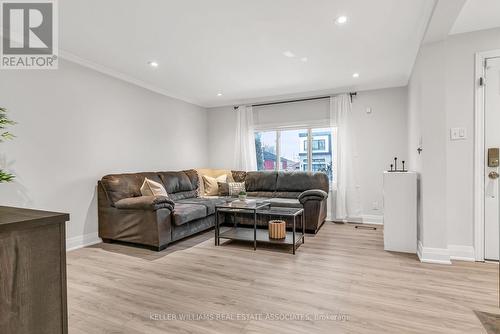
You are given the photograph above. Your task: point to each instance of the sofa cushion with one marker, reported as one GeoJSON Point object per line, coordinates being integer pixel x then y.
{"type": "Point", "coordinates": [208, 202]}
{"type": "Point", "coordinates": [184, 194]}
{"type": "Point", "coordinates": [287, 194]}
{"type": "Point", "coordinates": [182, 181]}
{"type": "Point", "coordinates": [238, 175]}
{"type": "Point", "coordinates": [186, 212]}
{"type": "Point", "coordinates": [210, 184]}
{"type": "Point", "coordinates": [223, 189]}
{"type": "Point", "coordinates": [298, 181]}
{"type": "Point", "coordinates": [120, 186]}
{"type": "Point", "coordinates": [212, 173]}
{"type": "Point", "coordinates": [285, 202]}
{"type": "Point", "coordinates": [235, 188]}
{"type": "Point", "coordinates": [262, 194]}
{"type": "Point", "coordinates": [261, 181]}
{"type": "Point", "coordinates": [151, 203]}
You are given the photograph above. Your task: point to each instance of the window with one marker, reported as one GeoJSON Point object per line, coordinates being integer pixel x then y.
{"type": "Point", "coordinates": [290, 152]}
{"type": "Point", "coordinates": [265, 150]}
{"type": "Point", "coordinates": [322, 153]}
{"type": "Point", "coordinates": [318, 145]}
{"type": "Point", "coordinates": [292, 148]}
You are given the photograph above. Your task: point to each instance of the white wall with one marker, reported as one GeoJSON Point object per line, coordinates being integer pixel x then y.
{"type": "Point", "coordinates": [460, 67]}
{"type": "Point", "coordinates": [427, 108]}
{"type": "Point", "coordinates": [441, 96]}
{"type": "Point", "coordinates": [381, 135]}
{"type": "Point", "coordinates": [221, 137]}
{"type": "Point", "coordinates": [76, 125]}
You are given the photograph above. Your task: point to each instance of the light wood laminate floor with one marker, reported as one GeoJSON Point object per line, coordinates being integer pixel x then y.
{"type": "Point", "coordinates": [342, 270]}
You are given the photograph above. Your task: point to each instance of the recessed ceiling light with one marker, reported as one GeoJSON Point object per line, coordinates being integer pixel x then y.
{"type": "Point", "coordinates": [355, 75]}
{"type": "Point", "coordinates": [219, 94]}
{"type": "Point", "coordinates": [341, 20]}
{"type": "Point", "coordinates": [152, 63]}
{"type": "Point", "coordinates": [303, 59]}
{"type": "Point", "coordinates": [288, 54]}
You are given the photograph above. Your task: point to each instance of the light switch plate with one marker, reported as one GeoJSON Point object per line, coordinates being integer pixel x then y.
{"type": "Point", "coordinates": [458, 133]}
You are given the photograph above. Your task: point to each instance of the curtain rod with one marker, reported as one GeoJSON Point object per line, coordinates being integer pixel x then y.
{"type": "Point", "coordinates": [351, 94]}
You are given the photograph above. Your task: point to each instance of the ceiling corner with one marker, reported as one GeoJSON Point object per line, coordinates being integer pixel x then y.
{"type": "Point", "coordinates": [443, 17]}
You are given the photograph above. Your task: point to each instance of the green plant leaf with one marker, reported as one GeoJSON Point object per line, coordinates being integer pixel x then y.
{"type": "Point", "coordinates": [6, 177]}
{"type": "Point", "coordinates": [5, 135]}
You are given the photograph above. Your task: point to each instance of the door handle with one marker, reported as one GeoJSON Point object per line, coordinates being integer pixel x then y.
{"type": "Point", "coordinates": [493, 175]}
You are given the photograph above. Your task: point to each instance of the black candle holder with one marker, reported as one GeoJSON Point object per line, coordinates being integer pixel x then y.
{"type": "Point", "coordinates": [394, 166]}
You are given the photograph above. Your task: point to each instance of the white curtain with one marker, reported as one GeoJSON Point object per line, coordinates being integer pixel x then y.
{"type": "Point", "coordinates": [347, 201]}
{"type": "Point", "coordinates": [245, 140]}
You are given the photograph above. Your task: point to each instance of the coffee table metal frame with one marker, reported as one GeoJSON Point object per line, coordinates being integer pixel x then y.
{"type": "Point", "coordinates": [259, 235]}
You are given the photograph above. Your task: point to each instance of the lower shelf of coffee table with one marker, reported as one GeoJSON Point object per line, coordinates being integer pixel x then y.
{"type": "Point", "coordinates": [246, 234]}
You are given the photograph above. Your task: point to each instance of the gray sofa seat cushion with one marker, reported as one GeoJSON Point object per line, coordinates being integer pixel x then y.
{"type": "Point", "coordinates": [208, 202]}
{"type": "Point", "coordinates": [263, 194]}
{"type": "Point", "coordinates": [286, 194]}
{"type": "Point", "coordinates": [285, 202]}
{"type": "Point", "coordinates": [186, 212]}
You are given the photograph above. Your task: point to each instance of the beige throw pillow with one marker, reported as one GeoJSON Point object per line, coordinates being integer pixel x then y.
{"type": "Point", "coordinates": [211, 184]}
{"type": "Point", "coordinates": [152, 188]}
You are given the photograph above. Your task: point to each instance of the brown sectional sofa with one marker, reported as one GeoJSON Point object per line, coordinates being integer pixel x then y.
{"type": "Point", "coordinates": [125, 215]}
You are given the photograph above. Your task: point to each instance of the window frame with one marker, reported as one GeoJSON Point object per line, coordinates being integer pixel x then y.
{"type": "Point", "coordinates": [309, 156]}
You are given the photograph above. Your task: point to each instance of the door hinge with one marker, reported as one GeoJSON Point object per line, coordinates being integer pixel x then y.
{"type": "Point", "coordinates": [481, 81]}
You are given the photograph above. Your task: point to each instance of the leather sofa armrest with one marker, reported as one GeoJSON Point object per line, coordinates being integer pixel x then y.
{"type": "Point", "coordinates": [151, 203]}
{"type": "Point", "coordinates": [312, 194]}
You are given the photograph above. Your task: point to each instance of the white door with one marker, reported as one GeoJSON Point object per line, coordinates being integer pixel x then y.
{"type": "Point", "coordinates": [492, 140]}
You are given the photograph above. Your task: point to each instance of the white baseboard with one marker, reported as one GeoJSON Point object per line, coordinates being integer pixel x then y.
{"type": "Point", "coordinates": [462, 253]}
{"type": "Point", "coordinates": [373, 219]}
{"type": "Point", "coordinates": [81, 241]}
{"type": "Point", "coordinates": [433, 255]}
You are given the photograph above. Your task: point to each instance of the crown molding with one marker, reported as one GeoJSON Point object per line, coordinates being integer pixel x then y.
{"type": "Point", "coordinates": [68, 56]}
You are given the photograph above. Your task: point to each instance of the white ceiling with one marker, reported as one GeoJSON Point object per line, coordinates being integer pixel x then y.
{"type": "Point", "coordinates": [236, 46]}
{"type": "Point", "coordinates": [477, 15]}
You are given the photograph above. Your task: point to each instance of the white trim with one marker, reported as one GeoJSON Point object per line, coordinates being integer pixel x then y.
{"type": "Point", "coordinates": [310, 149]}
{"type": "Point", "coordinates": [433, 255]}
{"type": "Point", "coordinates": [461, 253]}
{"type": "Point", "coordinates": [373, 219]}
{"type": "Point", "coordinates": [419, 250]}
{"type": "Point", "coordinates": [124, 77]}
{"type": "Point", "coordinates": [81, 241]}
{"type": "Point", "coordinates": [278, 151]}
{"type": "Point", "coordinates": [479, 156]}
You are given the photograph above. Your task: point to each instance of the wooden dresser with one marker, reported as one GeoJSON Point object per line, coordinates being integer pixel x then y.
{"type": "Point", "coordinates": [32, 272]}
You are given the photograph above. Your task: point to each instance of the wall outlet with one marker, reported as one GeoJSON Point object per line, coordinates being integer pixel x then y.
{"type": "Point", "coordinates": [458, 133]}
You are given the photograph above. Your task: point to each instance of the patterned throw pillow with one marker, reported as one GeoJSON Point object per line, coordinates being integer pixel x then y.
{"type": "Point", "coordinates": [239, 176]}
{"type": "Point", "coordinates": [235, 188]}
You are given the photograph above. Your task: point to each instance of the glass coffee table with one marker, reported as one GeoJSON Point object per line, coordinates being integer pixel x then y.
{"type": "Point", "coordinates": [253, 234]}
